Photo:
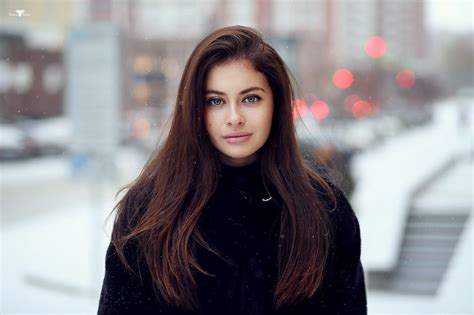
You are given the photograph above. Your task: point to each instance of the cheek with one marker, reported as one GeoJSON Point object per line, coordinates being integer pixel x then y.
{"type": "Point", "coordinates": [269, 119]}
{"type": "Point", "coordinates": [208, 122]}
{"type": "Point", "coordinates": [209, 126]}
{"type": "Point", "coordinates": [211, 120]}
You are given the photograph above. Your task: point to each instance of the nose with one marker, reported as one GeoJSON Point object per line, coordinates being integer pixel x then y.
{"type": "Point", "coordinates": [234, 117]}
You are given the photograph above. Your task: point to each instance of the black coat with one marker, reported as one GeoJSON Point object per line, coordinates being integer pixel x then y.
{"type": "Point", "coordinates": [245, 229]}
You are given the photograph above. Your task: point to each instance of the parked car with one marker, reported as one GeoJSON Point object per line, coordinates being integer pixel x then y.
{"type": "Point", "coordinates": [15, 144]}
{"type": "Point", "coordinates": [51, 136]}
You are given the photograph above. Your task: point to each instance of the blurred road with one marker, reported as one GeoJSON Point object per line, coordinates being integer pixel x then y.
{"type": "Point", "coordinates": [31, 199]}
{"type": "Point", "coordinates": [35, 187]}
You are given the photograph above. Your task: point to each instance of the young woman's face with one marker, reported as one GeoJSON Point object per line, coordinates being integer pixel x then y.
{"type": "Point", "coordinates": [239, 109]}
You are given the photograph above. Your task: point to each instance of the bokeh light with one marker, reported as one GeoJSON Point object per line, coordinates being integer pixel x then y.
{"type": "Point", "coordinates": [375, 46]}
{"type": "Point", "coordinates": [406, 79]}
{"type": "Point", "coordinates": [361, 109]}
{"type": "Point", "coordinates": [141, 128]}
{"type": "Point", "coordinates": [319, 109]}
{"type": "Point", "coordinates": [144, 64]}
{"type": "Point", "coordinates": [349, 102]}
{"type": "Point", "coordinates": [141, 92]}
{"type": "Point", "coordinates": [342, 78]}
{"type": "Point", "coordinates": [375, 108]}
{"type": "Point", "coordinates": [299, 108]}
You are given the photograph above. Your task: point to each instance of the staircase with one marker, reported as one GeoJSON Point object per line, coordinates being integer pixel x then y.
{"type": "Point", "coordinates": [428, 245]}
{"type": "Point", "coordinates": [433, 228]}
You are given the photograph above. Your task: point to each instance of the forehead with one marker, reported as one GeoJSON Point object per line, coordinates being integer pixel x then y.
{"type": "Point", "coordinates": [234, 75]}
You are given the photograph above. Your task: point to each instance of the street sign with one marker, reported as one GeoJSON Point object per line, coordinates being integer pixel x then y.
{"type": "Point", "coordinates": [94, 85]}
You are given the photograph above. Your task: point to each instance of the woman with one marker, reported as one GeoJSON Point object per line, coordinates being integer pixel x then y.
{"type": "Point", "coordinates": [226, 217]}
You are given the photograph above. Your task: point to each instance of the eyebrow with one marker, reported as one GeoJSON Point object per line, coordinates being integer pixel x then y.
{"type": "Point", "coordinates": [250, 89]}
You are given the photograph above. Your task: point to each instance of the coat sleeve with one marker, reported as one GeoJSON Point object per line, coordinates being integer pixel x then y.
{"type": "Point", "coordinates": [124, 292]}
{"type": "Point", "coordinates": [346, 282]}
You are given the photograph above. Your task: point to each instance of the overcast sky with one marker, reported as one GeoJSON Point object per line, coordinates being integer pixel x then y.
{"type": "Point", "coordinates": [453, 15]}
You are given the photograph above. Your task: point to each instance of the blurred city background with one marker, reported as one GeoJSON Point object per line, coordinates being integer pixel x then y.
{"type": "Point", "coordinates": [385, 99]}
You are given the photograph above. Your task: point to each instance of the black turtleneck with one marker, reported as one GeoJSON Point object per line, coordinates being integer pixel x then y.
{"type": "Point", "coordinates": [243, 225]}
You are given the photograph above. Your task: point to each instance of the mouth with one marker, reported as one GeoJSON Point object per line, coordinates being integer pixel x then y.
{"type": "Point", "coordinates": [237, 137]}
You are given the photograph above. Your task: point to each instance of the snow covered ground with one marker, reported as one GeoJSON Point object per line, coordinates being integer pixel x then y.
{"type": "Point", "coordinates": [455, 296]}
{"type": "Point", "coordinates": [387, 176]}
{"type": "Point", "coordinates": [52, 259]}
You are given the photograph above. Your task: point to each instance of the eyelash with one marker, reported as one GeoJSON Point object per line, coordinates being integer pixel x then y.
{"type": "Point", "coordinates": [256, 96]}
{"type": "Point", "coordinates": [209, 101]}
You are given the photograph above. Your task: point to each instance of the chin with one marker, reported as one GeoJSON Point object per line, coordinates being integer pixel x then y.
{"type": "Point", "coordinates": [240, 155]}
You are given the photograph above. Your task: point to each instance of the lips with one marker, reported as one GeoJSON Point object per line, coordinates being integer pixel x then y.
{"type": "Point", "coordinates": [237, 137]}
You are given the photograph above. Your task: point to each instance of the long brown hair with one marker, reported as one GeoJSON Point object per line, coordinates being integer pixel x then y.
{"type": "Point", "coordinates": [162, 206]}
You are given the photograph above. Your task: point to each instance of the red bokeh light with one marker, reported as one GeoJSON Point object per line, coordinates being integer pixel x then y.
{"type": "Point", "coordinates": [375, 108]}
{"type": "Point", "coordinates": [349, 101]}
{"type": "Point", "coordinates": [141, 128]}
{"type": "Point", "coordinates": [406, 79]}
{"type": "Point", "coordinates": [342, 78]}
{"type": "Point", "coordinates": [361, 109]}
{"type": "Point", "coordinates": [375, 46]}
{"type": "Point", "coordinates": [299, 108]}
{"type": "Point", "coordinates": [319, 109]}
